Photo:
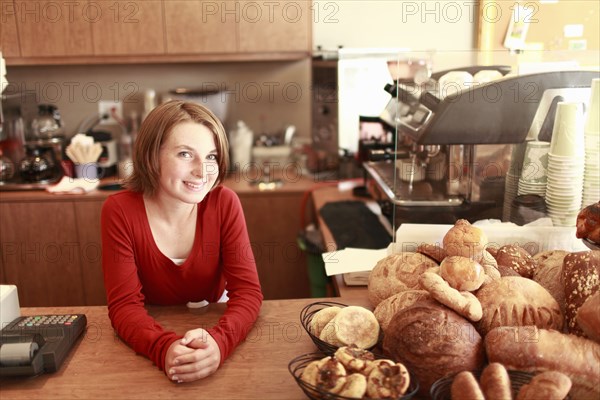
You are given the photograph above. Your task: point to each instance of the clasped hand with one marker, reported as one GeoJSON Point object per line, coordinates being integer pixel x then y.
{"type": "Point", "coordinates": [195, 356]}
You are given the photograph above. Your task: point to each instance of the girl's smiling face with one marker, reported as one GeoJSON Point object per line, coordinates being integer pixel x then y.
{"type": "Point", "coordinates": [188, 163]}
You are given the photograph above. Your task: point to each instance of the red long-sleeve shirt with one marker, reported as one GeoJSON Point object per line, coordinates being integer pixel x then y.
{"type": "Point", "coordinates": [136, 272]}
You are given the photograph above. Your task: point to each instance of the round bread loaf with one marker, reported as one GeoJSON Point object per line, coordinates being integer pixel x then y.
{"type": "Point", "coordinates": [352, 325]}
{"type": "Point", "coordinates": [588, 317]}
{"type": "Point", "coordinates": [462, 273]}
{"type": "Point", "coordinates": [396, 273]}
{"type": "Point", "coordinates": [385, 311]}
{"type": "Point", "coordinates": [517, 301]}
{"type": "Point", "coordinates": [549, 274]}
{"type": "Point", "coordinates": [516, 258]}
{"type": "Point", "coordinates": [322, 318]}
{"type": "Point", "coordinates": [433, 342]}
{"type": "Point", "coordinates": [581, 280]}
{"type": "Point", "coordinates": [465, 240]}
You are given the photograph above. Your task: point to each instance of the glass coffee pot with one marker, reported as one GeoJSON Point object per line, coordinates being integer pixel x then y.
{"type": "Point", "coordinates": [47, 124]}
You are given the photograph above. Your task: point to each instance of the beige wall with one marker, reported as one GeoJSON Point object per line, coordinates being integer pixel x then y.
{"type": "Point", "coordinates": [278, 90]}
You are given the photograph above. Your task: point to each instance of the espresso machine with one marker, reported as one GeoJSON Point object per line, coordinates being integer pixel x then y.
{"type": "Point", "coordinates": [452, 150]}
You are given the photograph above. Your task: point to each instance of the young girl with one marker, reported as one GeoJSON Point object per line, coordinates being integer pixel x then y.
{"type": "Point", "coordinates": [177, 236]}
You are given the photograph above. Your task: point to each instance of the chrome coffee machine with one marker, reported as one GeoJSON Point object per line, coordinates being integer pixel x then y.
{"type": "Point", "coordinates": [452, 152]}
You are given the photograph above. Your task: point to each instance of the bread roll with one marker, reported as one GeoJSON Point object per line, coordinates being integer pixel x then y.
{"type": "Point", "coordinates": [549, 385]}
{"type": "Point", "coordinates": [462, 273]}
{"type": "Point", "coordinates": [588, 223]}
{"type": "Point", "coordinates": [581, 279]}
{"type": "Point", "coordinates": [321, 318]}
{"type": "Point", "coordinates": [433, 251]}
{"type": "Point", "coordinates": [530, 349]}
{"type": "Point", "coordinates": [516, 258]}
{"type": "Point", "coordinates": [517, 301]}
{"type": "Point", "coordinates": [397, 273]}
{"type": "Point", "coordinates": [353, 325]}
{"type": "Point", "coordinates": [549, 274]}
{"type": "Point", "coordinates": [390, 306]}
{"type": "Point", "coordinates": [464, 303]}
{"type": "Point", "coordinates": [588, 317]}
{"type": "Point", "coordinates": [433, 342]}
{"type": "Point", "coordinates": [326, 374]}
{"type": "Point", "coordinates": [495, 382]}
{"type": "Point", "coordinates": [465, 386]}
{"type": "Point", "coordinates": [465, 240]}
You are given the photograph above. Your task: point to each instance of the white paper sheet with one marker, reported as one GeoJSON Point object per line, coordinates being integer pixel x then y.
{"type": "Point", "coordinates": [351, 260]}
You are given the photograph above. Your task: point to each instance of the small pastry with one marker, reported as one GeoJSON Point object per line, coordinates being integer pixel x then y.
{"type": "Point", "coordinates": [388, 381]}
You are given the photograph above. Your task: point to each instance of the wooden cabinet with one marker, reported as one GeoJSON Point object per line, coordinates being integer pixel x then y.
{"type": "Point", "coordinates": [40, 253]}
{"type": "Point", "coordinates": [128, 27]}
{"type": "Point", "coordinates": [195, 26]}
{"type": "Point", "coordinates": [49, 28]}
{"type": "Point", "coordinates": [9, 40]}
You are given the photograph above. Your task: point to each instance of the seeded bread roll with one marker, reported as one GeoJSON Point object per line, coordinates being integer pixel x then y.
{"type": "Point", "coordinates": [465, 386]}
{"type": "Point", "coordinates": [588, 317]}
{"type": "Point", "coordinates": [462, 273]}
{"type": "Point", "coordinates": [516, 258]}
{"type": "Point", "coordinates": [517, 301]}
{"type": "Point", "coordinates": [581, 280]}
{"type": "Point", "coordinates": [465, 240]}
{"type": "Point", "coordinates": [433, 342]}
{"type": "Point", "coordinates": [495, 382]}
{"type": "Point", "coordinates": [385, 311]}
{"type": "Point", "coordinates": [549, 385]}
{"type": "Point", "coordinates": [397, 273]}
{"type": "Point", "coordinates": [530, 349]}
{"type": "Point", "coordinates": [549, 274]}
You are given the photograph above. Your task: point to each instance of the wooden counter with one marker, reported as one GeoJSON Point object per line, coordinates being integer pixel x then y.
{"type": "Point", "coordinates": [103, 367]}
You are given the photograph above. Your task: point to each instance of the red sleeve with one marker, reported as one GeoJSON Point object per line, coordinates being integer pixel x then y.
{"type": "Point", "coordinates": [243, 287]}
{"type": "Point", "coordinates": [124, 289]}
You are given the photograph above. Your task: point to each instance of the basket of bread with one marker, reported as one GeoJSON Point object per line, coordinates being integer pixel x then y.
{"type": "Point", "coordinates": [463, 304]}
{"type": "Point", "coordinates": [332, 325]}
{"type": "Point", "coordinates": [352, 373]}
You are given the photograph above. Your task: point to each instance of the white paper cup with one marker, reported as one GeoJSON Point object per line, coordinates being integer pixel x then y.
{"type": "Point", "coordinates": [88, 171]}
{"type": "Point", "coordinates": [567, 135]}
{"type": "Point", "coordinates": [592, 118]}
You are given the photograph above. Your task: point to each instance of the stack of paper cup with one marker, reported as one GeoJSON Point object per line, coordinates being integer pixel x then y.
{"type": "Point", "coordinates": [511, 183]}
{"type": "Point", "coordinates": [591, 177]}
{"type": "Point", "coordinates": [534, 174]}
{"type": "Point", "coordinates": [566, 165]}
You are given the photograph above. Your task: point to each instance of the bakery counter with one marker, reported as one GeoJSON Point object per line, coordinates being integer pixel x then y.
{"type": "Point", "coordinates": [102, 366]}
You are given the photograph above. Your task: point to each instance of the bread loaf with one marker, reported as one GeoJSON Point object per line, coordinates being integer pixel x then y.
{"type": "Point", "coordinates": [465, 240]}
{"type": "Point", "coordinates": [549, 274]}
{"type": "Point", "coordinates": [581, 280]}
{"type": "Point", "coordinates": [433, 342]}
{"type": "Point", "coordinates": [588, 317]}
{"type": "Point", "coordinates": [549, 385]}
{"type": "Point", "coordinates": [516, 258]}
{"type": "Point", "coordinates": [390, 306]}
{"type": "Point", "coordinates": [396, 273]}
{"type": "Point", "coordinates": [530, 349]}
{"type": "Point", "coordinates": [462, 273]}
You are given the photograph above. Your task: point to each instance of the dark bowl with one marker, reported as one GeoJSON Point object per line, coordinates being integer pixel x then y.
{"type": "Point", "coordinates": [298, 364]}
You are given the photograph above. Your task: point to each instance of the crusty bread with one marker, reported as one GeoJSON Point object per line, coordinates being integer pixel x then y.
{"type": "Point", "coordinates": [581, 280]}
{"type": "Point", "coordinates": [549, 274]}
{"type": "Point", "coordinates": [464, 303]}
{"type": "Point", "coordinates": [517, 301]}
{"type": "Point", "coordinates": [433, 251]}
{"type": "Point", "coordinates": [516, 258]}
{"type": "Point", "coordinates": [549, 385]}
{"type": "Point", "coordinates": [390, 306]}
{"type": "Point", "coordinates": [466, 240]}
{"type": "Point", "coordinates": [396, 273]}
{"type": "Point", "coordinates": [465, 386]}
{"type": "Point", "coordinates": [495, 382]}
{"type": "Point", "coordinates": [433, 342]}
{"type": "Point", "coordinates": [462, 273]}
{"type": "Point", "coordinates": [530, 349]}
{"type": "Point", "coordinates": [588, 317]}
{"type": "Point", "coordinates": [588, 223]}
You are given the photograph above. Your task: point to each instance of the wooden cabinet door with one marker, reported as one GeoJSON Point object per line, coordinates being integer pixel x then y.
{"type": "Point", "coordinates": [195, 26]}
{"type": "Point", "coordinates": [9, 40]}
{"type": "Point", "coordinates": [273, 221]}
{"type": "Point", "coordinates": [87, 214]}
{"type": "Point", "coordinates": [280, 26]}
{"type": "Point", "coordinates": [40, 253]}
{"type": "Point", "coordinates": [128, 27]}
{"type": "Point", "coordinates": [50, 28]}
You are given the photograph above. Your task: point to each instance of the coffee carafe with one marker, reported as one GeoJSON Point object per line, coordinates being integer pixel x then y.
{"type": "Point", "coordinates": [47, 124]}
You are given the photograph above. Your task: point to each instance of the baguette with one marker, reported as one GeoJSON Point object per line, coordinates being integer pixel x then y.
{"type": "Point", "coordinates": [530, 349]}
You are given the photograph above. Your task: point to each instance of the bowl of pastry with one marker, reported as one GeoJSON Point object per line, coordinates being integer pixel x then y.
{"type": "Point", "coordinates": [352, 373]}
{"type": "Point", "coordinates": [332, 325]}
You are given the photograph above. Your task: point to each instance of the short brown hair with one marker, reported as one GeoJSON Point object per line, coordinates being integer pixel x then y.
{"type": "Point", "coordinates": [153, 132]}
